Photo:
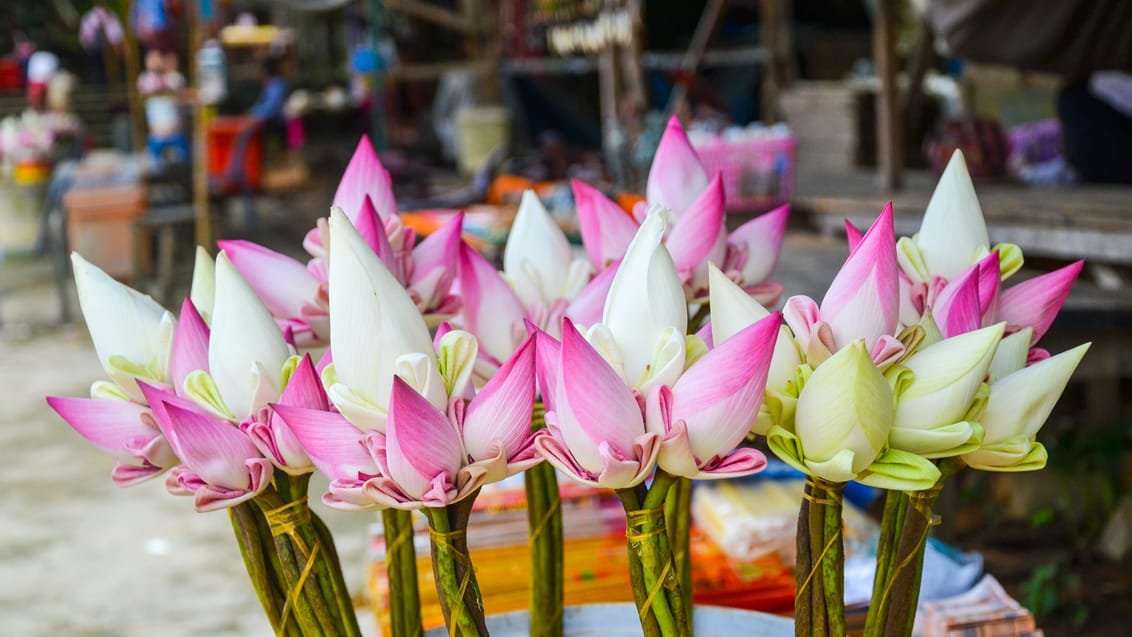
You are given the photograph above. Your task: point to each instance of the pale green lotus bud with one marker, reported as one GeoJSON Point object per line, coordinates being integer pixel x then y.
{"type": "Point", "coordinates": [1019, 405]}
{"type": "Point", "coordinates": [844, 415]}
{"type": "Point", "coordinates": [936, 387]}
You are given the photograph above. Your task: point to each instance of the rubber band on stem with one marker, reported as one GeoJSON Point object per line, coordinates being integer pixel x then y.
{"type": "Point", "coordinates": [646, 608]}
{"type": "Point", "coordinates": [287, 519]}
{"type": "Point", "coordinates": [546, 519]}
{"type": "Point", "coordinates": [293, 596]}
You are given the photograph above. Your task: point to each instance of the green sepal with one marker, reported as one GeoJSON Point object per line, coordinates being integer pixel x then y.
{"type": "Point", "coordinates": [1009, 259]}
{"type": "Point", "coordinates": [288, 369]}
{"type": "Point", "coordinates": [201, 389]}
{"type": "Point", "coordinates": [106, 390]}
{"type": "Point", "coordinates": [938, 442]}
{"type": "Point", "coordinates": [898, 470]}
{"type": "Point", "coordinates": [788, 448]}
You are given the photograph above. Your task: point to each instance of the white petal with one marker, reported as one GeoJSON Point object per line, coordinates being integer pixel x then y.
{"type": "Point", "coordinates": [538, 255]}
{"type": "Point", "coordinates": [203, 291]}
{"type": "Point", "coordinates": [243, 336]}
{"type": "Point", "coordinates": [845, 404]}
{"type": "Point", "coordinates": [646, 297]}
{"type": "Point", "coordinates": [953, 234]}
{"type": "Point", "coordinates": [372, 319]}
{"type": "Point", "coordinates": [946, 377]}
{"type": "Point", "coordinates": [1011, 354]}
{"type": "Point", "coordinates": [1021, 402]}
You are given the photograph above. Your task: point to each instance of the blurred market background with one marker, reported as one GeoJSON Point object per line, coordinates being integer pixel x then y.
{"type": "Point", "coordinates": [133, 130]}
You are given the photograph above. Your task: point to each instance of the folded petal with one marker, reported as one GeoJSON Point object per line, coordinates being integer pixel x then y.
{"type": "Point", "coordinates": [491, 310]}
{"type": "Point", "coordinates": [719, 396]}
{"type": "Point", "coordinates": [365, 175]}
{"type": "Point", "coordinates": [372, 319]}
{"type": "Point", "coordinates": [212, 448]}
{"type": "Point", "coordinates": [282, 283]}
{"type": "Point", "coordinates": [371, 228]}
{"type": "Point", "coordinates": [211, 497]}
{"type": "Point", "coordinates": [761, 241]}
{"type": "Point", "coordinates": [332, 443]}
{"type": "Point", "coordinates": [676, 176]}
{"type": "Point", "coordinates": [592, 404]}
{"type": "Point", "coordinates": [1036, 302]}
{"type": "Point", "coordinates": [111, 425]}
{"type": "Point", "coordinates": [304, 387]}
{"type": "Point", "coordinates": [945, 378]}
{"type": "Point", "coordinates": [863, 299]}
{"type": "Point", "coordinates": [846, 405]}
{"type": "Point", "coordinates": [1021, 402]}
{"type": "Point", "coordinates": [246, 350]}
{"type": "Point", "coordinates": [605, 227]}
{"type": "Point", "coordinates": [275, 440]}
{"type": "Point", "coordinates": [957, 309]}
{"type": "Point", "coordinates": [548, 358]}
{"type": "Point", "coordinates": [1011, 354]}
{"type": "Point", "coordinates": [953, 234]}
{"type": "Point", "coordinates": [501, 412]}
{"type": "Point", "coordinates": [422, 444]}
{"type": "Point", "coordinates": [190, 345]}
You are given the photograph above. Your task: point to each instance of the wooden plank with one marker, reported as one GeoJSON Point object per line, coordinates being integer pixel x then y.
{"type": "Point", "coordinates": [1091, 221]}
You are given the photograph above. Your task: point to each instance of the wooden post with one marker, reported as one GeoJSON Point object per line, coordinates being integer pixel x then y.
{"type": "Point", "coordinates": [202, 220]}
{"type": "Point", "coordinates": [769, 25]}
{"type": "Point", "coordinates": [709, 19]}
{"type": "Point", "coordinates": [133, 69]}
{"type": "Point", "coordinates": [890, 159]}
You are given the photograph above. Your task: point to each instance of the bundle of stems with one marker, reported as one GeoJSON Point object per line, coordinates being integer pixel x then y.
{"type": "Point", "coordinates": [460, 598]}
{"type": "Point", "coordinates": [819, 607]}
{"type": "Point", "coordinates": [905, 526]}
{"type": "Point", "coordinates": [293, 565]}
{"type": "Point", "coordinates": [657, 590]}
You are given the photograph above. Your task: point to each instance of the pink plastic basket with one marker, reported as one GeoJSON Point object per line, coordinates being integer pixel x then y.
{"type": "Point", "coordinates": [758, 174]}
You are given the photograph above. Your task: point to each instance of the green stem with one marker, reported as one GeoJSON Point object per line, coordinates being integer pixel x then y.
{"type": "Point", "coordinates": [803, 562]}
{"type": "Point", "coordinates": [327, 568]}
{"type": "Point", "coordinates": [283, 560]}
{"type": "Point", "coordinates": [257, 564]}
{"type": "Point", "coordinates": [833, 564]}
{"type": "Point", "coordinates": [401, 566]}
{"type": "Point", "coordinates": [544, 521]}
{"type": "Point", "coordinates": [631, 501]}
{"type": "Point", "coordinates": [662, 485]}
{"type": "Point", "coordinates": [895, 503]}
{"type": "Point", "coordinates": [908, 561]}
{"type": "Point", "coordinates": [338, 581]}
{"type": "Point", "coordinates": [677, 519]}
{"type": "Point", "coordinates": [649, 540]}
{"type": "Point", "coordinates": [452, 569]}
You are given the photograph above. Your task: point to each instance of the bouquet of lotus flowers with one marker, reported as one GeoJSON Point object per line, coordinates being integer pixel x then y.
{"type": "Point", "coordinates": [411, 374]}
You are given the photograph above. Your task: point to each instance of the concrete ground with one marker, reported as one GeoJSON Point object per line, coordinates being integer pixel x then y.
{"type": "Point", "coordinates": [79, 556]}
